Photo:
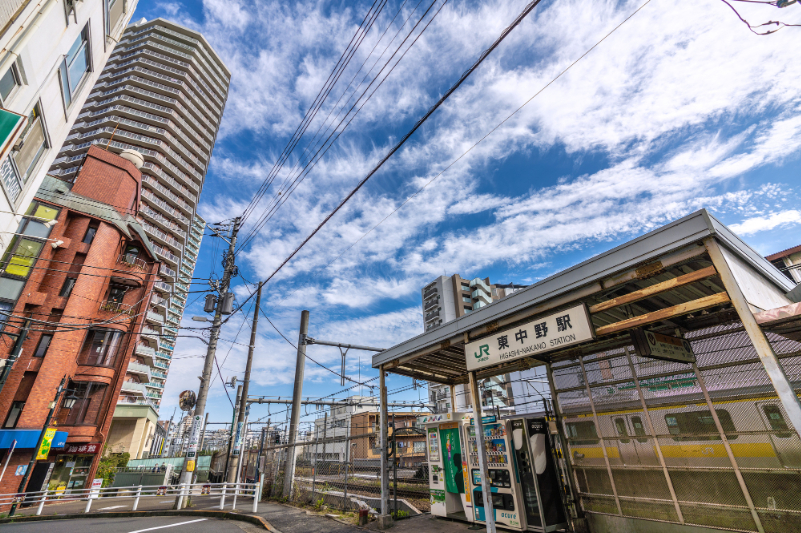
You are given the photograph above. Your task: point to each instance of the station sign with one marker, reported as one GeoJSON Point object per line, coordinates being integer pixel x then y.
{"type": "Point", "coordinates": [542, 335]}
{"type": "Point", "coordinates": [658, 346]}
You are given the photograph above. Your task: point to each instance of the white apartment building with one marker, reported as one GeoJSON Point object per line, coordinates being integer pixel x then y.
{"type": "Point", "coordinates": [448, 298]}
{"type": "Point", "coordinates": [51, 53]}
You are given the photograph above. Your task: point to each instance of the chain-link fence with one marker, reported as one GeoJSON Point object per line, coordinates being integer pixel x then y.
{"type": "Point", "coordinates": [341, 468]}
{"type": "Point", "coordinates": [706, 444]}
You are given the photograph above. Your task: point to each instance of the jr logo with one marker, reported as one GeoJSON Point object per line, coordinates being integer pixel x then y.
{"type": "Point", "coordinates": [482, 351]}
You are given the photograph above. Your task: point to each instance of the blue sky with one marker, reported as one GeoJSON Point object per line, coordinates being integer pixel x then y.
{"type": "Point", "coordinates": [681, 108]}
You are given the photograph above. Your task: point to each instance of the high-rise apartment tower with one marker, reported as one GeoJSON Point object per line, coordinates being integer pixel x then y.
{"type": "Point", "coordinates": [162, 93]}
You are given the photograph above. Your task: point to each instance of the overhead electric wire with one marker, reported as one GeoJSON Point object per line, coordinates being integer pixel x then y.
{"type": "Point", "coordinates": [281, 197]}
{"type": "Point", "coordinates": [406, 137]}
{"type": "Point", "coordinates": [322, 95]}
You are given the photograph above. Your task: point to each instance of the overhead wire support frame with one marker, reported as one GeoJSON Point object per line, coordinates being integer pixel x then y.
{"type": "Point", "coordinates": [343, 350]}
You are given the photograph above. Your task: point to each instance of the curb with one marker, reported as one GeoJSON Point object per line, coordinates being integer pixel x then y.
{"type": "Point", "coordinates": [221, 515]}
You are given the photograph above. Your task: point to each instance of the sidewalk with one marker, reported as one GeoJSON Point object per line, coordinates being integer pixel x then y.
{"type": "Point", "coordinates": [282, 517]}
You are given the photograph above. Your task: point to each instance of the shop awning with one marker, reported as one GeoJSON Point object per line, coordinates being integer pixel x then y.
{"type": "Point", "coordinates": [27, 438]}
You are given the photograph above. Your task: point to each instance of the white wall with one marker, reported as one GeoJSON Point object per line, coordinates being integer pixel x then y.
{"type": "Point", "coordinates": [39, 60]}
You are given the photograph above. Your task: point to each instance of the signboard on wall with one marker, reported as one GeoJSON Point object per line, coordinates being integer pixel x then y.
{"type": "Point", "coordinates": [657, 346]}
{"type": "Point", "coordinates": [541, 335]}
{"type": "Point", "coordinates": [82, 448]}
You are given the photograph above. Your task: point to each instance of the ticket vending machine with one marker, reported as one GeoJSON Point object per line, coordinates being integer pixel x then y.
{"type": "Point", "coordinates": [503, 475]}
{"type": "Point", "coordinates": [447, 465]}
{"type": "Point", "coordinates": [539, 477]}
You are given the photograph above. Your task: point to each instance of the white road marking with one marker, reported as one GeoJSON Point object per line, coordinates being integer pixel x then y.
{"type": "Point", "coordinates": [114, 507]}
{"type": "Point", "coordinates": [169, 525]}
{"type": "Point", "coordinates": [167, 501]}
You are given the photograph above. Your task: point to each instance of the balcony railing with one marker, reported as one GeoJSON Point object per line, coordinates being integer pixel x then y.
{"type": "Point", "coordinates": [163, 355]}
{"type": "Point", "coordinates": [141, 370]}
{"type": "Point", "coordinates": [155, 317]}
{"type": "Point", "coordinates": [133, 388]}
{"type": "Point", "coordinates": [133, 262]}
{"type": "Point", "coordinates": [167, 271]}
{"type": "Point", "coordinates": [117, 307]}
{"type": "Point", "coordinates": [141, 349]}
{"type": "Point", "coordinates": [161, 364]}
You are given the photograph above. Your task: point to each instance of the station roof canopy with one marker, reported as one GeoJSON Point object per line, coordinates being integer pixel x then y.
{"type": "Point", "coordinates": [664, 280]}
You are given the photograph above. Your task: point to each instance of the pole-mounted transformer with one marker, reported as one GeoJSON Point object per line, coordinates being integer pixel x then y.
{"type": "Point", "coordinates": [211, 303]}
{"type": "Point", "coordinates": [227, 303]}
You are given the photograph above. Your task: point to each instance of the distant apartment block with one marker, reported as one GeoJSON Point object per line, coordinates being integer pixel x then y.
{"type": "Point", "coordinates": [446, 299]}
{"type": "Point", "coordinates": [789, 262]}
{"type": "Point", "coordinates": [52, 53]}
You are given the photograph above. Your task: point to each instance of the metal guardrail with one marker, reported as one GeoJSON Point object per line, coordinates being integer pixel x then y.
{"type": "Point", "coordinates": [184, 490]}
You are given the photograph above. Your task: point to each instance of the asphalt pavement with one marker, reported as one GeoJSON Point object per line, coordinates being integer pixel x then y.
{"type": "Point", "coordinates": [162, 524]}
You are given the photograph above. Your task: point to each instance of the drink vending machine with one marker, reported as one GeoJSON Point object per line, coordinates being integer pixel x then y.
{"type": "Point", "coordinates": [503, 475]}
{"type": "Point", "coordinates": [539, 477]}
{"type": "Point", "coordinates": [447, 464]}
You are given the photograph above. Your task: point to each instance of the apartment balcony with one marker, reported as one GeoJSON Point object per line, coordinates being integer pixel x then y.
{"type": "Point", "coordinates": [429, 293]}
{"type": "Point", "coordinates": [136, 389]}
{"type": "Point", "coordinates": [165, 208]}
{"type": "Point", "coordinates": [481, 296]}
{"type": "Point", "coordinates": [167, 255]}
{"type": "Point", "coordinates": [478, 282]}
{"type": "Point", "coordinates": [158, 301]}
{"type": "Point", "coordinates": [134, 262]}
{"type": "Point", "coordinates": [155, 317]}
{"type": "Point", "coordinates": [154, 395]}
{"type": "Point", "coordinates": [163, 222]}
{"type": "Point", "coordinates": [143, 371]}
{"type": "Point", "coordinates": [167, 271]}
{"type": "Point", "coordinates": [431, 303]}
{"type": "Point", "coordinates": [161, 364]}
{"type": "Point", "coordinates": [132, 400]}
{"type": "Point", "coordinates": [158, 374]}
{"type": "Point", "coordinates": [166, 287]}
{"type": "Point", "coordinates": [163, 355]}
{"type": "Point", "coordinates": [153, 183]}
{"type": "Point", "coordinates": [150, 333]}
{"type": "Point", "coordinates": [156, 385]}
{"type": "Point", "coordinates": [117, 307]}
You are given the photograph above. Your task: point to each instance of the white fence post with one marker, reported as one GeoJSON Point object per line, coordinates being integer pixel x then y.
{"type": "Point", "coordinates": [222, 498]}
{"type": "Point", "coordinates": [181, 496]}
{"type": "Point", "coordinates": [41, 504]}
{"type": "Point", "coordinates": [88, 501]}
{"type": "Point", "coordinates": [236, 493]}
{"type": "Point", "coordinates": [136, 501]}
{"type": "Point", "coordinates": [255, 498]}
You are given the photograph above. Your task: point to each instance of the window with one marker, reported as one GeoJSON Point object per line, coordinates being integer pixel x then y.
{"type": "Point", "coordinates": [116, 293]}
{"type": "Point", "coordinates": [76, 64]}
{"type": "Point", "coordinates": [90, 235]}
{"type": "Point", "coordinates": [580, 433]}
{"type": "Point", "coordinates": [466, 299]}
{"type": "Point", "coordinates": [44, 344]}
{"type": "Point", "coordinates": [32, 144]}
{"type": "Point", "coordinates": [66, 289]}
{"type": "Point", "coordinates": [22, 255]}
{"type": "Point", "coordinates": [13, 415]}
{"type": "Point", "coordinates": [86, 408]}
{"type": "Point", "coordinates": [114, 10]}
{"type": "Point", "coordinates": [776, 420]}
{"type": "Point", "coordinates": [100, 348]}
{"type": "Point", "coordinates": [620, 427]}
{"type": "Point", "coordinates": [419, 446]}
{"type": "Point", "coordinates": [8, 83]}
{"type": "Point", "coordinates": [639, 429]}
{"type": "Point", "coordinates": [699, 425]}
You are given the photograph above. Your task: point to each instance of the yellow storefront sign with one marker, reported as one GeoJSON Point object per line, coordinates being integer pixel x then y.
{"type": "Point", "coordinates": [44, 449]}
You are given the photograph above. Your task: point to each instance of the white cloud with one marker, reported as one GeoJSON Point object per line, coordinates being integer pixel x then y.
{"type": "Point", "coordinates": [754, 225]}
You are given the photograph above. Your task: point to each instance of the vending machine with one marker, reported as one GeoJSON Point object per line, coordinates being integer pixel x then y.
{"type": "Point", "coordinates": [540, 482]}
{"type": "Point", "coordinates": [447, 464]}
{"type": "Point", "coordinates": [503, 475]}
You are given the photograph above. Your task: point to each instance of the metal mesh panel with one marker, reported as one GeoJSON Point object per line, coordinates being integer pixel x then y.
{"type": "Point", "coordinates": [765, 448]}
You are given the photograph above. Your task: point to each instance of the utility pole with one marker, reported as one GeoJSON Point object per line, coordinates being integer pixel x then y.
{"type": "Point", "coordinates": [200, 408]}
{"type": "Point", "coordinates": [300, 366]}
{"type": "Point", "coordinates": [233, 437]}
{"type": "Point", "coordinates": [243, 403]}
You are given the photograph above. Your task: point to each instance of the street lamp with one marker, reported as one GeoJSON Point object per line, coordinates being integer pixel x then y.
{"type": "Point", "coordinates": [46, 221]}
{"type": "Point", "coordinates": [70, 400]}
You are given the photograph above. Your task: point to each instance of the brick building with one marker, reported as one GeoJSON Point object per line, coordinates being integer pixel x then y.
{"type": "Point", "coordinates": [83, 285]}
